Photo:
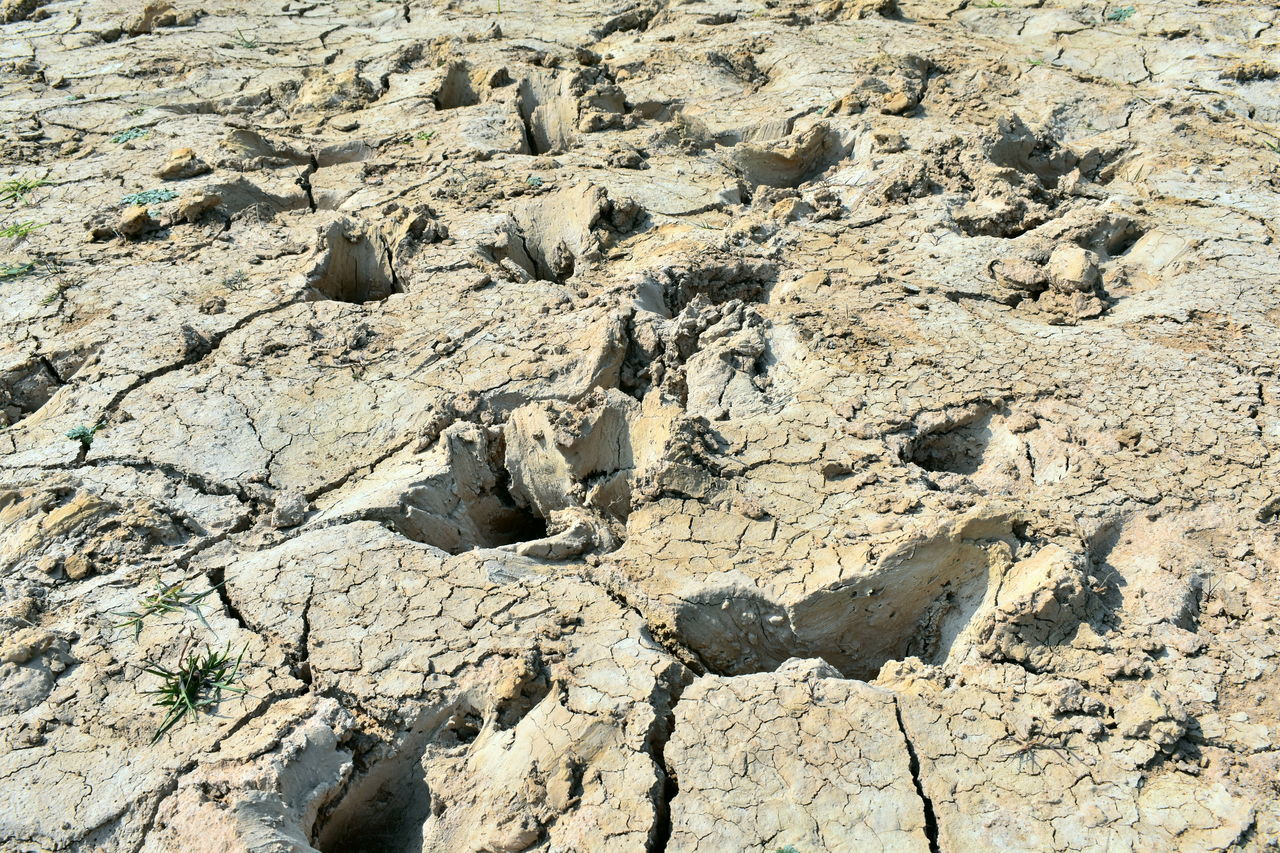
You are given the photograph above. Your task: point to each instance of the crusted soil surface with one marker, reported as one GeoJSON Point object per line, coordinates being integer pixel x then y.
{"type": "Point", "coordinates": [640, 425]}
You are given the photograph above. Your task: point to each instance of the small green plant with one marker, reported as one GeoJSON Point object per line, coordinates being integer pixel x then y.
{"type": "Point", "coordinates": [195, 686]}
{"type": "Point", "coordinates": [54, 271]}
{"type": "Point", "coordinates": [19, 188]}
{"type": "Point", "coordinates": [166, 598]}
{"type": "Point", "coordinates": [148, 197]}
{"type": "Point", "coordinates": [1036, 63]}
{"type": "Point", "coordinates": [130, 134]}
{"type": "Point", "coordinates": [1274, 147]}
{"type": "Point", "coordinates": [12, 271]}
{"type": "Point", "coordinates": [534, 181]}
{"type": "Point", "coordinates": [21, 229]}
{"type": "Point", "coordinates": [1124, 13]}
{"type": "Point", "coordinates": [409, 138]}
{"type": "Point", "coordinates": [84, 434]}
{"type": "Point", "coordinates": [236, 281]}
{"type": "Point", "coordinates": [790, 848]}
{"type": "Point", "coordinates": [246, 43]}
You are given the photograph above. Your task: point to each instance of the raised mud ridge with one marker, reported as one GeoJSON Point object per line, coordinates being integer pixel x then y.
{"type": "Point", "coordinates": [635, 425]}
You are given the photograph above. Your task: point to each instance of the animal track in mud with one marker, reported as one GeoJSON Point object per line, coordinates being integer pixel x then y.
{"type": "Point", "coordinates": [676, 305]}
{"type": "Point", "coordinates": [386, 806]}
{"type": "Point", "coordinates": [456, 90]}
{"type": "Point", "coordinates": [549, 114]}
{"type": "Point", "coordinates": [1002, 452]}
{"type": "Point", "coordinates": [1015, 181]}
{"type": "Point", "coordinates": [494, 487]}
{"type": "Point", "coordinates": [915, 601]}
{"type": "Point", "coordinates": [1110, 235]}
{"type": "Point", "coordinates": [958, 450]}
{"type": "Point", "coordinates": [1017, 147]}
{"type": "Point", "coordinates": [26, 387]}
{"type": "Point", "coordinates": [551, 238]}
{"type": "Point", "coordinates": [555, 107]}
{"type": "Point", "coordinates": [478, 511]}
{"type": "Point", "coordinates": [355, 265]}
{"type": "Point", "coordinates": [792, 161]}
{"type": "Point", "coordinates": [746, 280]}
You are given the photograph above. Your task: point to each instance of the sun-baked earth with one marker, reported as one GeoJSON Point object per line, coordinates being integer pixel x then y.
{"type": "Point", "coordinates": [641, 425]}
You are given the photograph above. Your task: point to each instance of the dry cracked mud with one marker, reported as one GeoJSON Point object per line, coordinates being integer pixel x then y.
{"type": "Point", "coordinates": [640, 425]}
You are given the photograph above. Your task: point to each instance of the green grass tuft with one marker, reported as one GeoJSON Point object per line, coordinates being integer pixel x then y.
{"type": "Point", "coordinates": [21, 229]}
{"type": "Point", "coordinates": [12, 271]}
{"type": "Point", "coordinates": [19, 188]}
{"type": "Point", "coordinates": [196, 686]}
{"type": "Point", "coordinates": [167, 598]}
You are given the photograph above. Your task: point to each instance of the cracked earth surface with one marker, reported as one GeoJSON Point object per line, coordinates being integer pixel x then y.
{"type": "Point", "coordinates": [640, 425]}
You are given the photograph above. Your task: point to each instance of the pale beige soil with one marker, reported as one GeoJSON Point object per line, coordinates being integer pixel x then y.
{"type": "Point", "coordinates": [718, 425]}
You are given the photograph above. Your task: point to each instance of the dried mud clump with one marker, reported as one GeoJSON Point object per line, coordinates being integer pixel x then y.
{"type": "Point", "coordinates": [639, 426]}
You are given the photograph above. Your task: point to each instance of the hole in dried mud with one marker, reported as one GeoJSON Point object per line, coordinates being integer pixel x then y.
{"type": "Point", "coordinates": [748, 281]}
{"type": "Point", "coordinates": [1147, 569]}
{"type": "Point", "coordinates": [1018, 147]}
{"type": "Point", "coordinates": [555, 236]}
{"type": "Point", "coordinates": [468, 503]}
{"type": "Point", "coordinates": [26, 387]}
{"type": "Point", "coordinates": [384, 809]}
{"type": "Point", "coordinates": [509, 522]}
{"type": "Point", "coordinates": [389, 807]}
{"type": "Point", "coordinates": [1001, 451]}
{"type": "Point", "coordinates": [467, 729]}
{"type": "Point", "coordinates": [550, 116]}
{"type": "Point", "coordinates": [1111, 236]}
{"type": "Point", "coordinates": [488, 518]}
{"type": "Point", "coordinates": [355, 266]}
{"type": "Point", "coordinates": [1022, 192]}
{"type": "Point", "coordinates": [540, 261]}
{"type": "Point", "coordinates": [916, 602]}
{"type": "Point", "coordinates": [792, 161]}
{"type": "Point", "coordinates": [960, 450]}
{"type": "Point", "coordinates": [456, 90]}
